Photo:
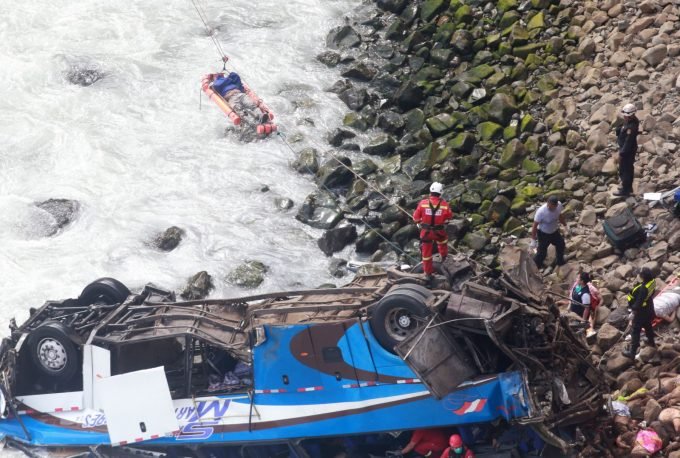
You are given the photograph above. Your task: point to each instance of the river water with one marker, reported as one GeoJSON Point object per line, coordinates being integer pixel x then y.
{"type": "Point", "coordinates": [139, 155]}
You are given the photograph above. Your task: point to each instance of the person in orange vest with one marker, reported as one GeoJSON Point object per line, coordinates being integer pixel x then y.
{"type": "Point", "coordinates": [457, 449]}
{"type": "Point", "coordinates": [431, 217]}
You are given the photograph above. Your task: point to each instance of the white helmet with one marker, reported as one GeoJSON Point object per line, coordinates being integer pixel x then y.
{"type": "Point", "coordinates": [628, 109]}
{"type": "Point", "coordinates": [437, 187]}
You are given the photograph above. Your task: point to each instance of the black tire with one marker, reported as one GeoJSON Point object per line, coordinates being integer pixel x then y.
{"type": "Point", "coordinates": [53, 351]}
{"type": "Point", "coordinates": [425, 293]}
{"type": "Point", "coordinates": [394, 318]}
{"type": "Point", "coordinates": [104, 291]}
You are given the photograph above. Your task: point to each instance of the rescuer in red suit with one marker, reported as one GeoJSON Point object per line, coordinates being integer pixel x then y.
{"type": "Point", "coordinates": [431, 217]}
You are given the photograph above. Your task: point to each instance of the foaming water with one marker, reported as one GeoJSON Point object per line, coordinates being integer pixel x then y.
{"type": "Point", "coordinates": [138, 154]}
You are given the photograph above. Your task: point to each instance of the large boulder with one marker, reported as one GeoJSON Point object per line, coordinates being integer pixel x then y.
{"type": "Point", "coordinates": [592, 166]}
{"type": "Point", "coordinates": [64, 211]}
{"type": "Point", "coordinates": [355, 98]}
{"type": "Point", "coordinates": [335, 173]}
{"type": "Point", "coordinates": [343, 36]}
{"type": "Point", "coordinates": [513, 153]}
{"type": "Point", "coordinates": [393, 6]}
{"type": "Point", "coordinates": [381, 145]}
{"type": "Point", "coordinates": [320, 210]}
{"type": "Point", "coordinates": [501, 108]}
{"type": "Point", "coordinates": [409, 95]}
{"type": "Point", "coordinates": [337, 238]}
{"type": "Point", "coordinates": [307, 161]}
{"type": "Point", "coordinates": [607, 336]}
{"type": "Point", "coordinates": [83, 75]}
{"type": "Point", "coordinates": [169, 239]}
{"type": "Point", "coordinates": [250, 274]}
{"type": "Point", "coordinates": [499, 209]}
{"type": "Point", "coordinates": [198, 286]}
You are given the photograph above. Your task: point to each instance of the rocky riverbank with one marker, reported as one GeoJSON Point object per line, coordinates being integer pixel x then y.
{"type": "Point", "coordinates": [506, 103]}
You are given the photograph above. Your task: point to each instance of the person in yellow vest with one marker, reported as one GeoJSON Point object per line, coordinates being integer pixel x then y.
{"type": "Point", "coordinates": [640, 301]}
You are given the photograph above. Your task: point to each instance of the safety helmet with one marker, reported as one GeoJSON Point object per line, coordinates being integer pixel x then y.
{"type": "Point", "coordinates": [437, 187]}
{"type": "Point", "coordinates": [455, 441]}
{"type": "Point", "coordinates": [628, 109]}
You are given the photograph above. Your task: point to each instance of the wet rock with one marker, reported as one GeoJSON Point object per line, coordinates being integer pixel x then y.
{"type": "Point", "coordinates": [283, 203]}
{"type": "Point", "coordinates": [336, 137]}
{"type": "Point", "coordinates": [369, 241]}
{"type": "Point", "coordinates": [337, 267]}
{"type": "Point", "coordinates": [391, 122]}
{"type": "Point", "coordinates": [476, 240]}
{"type": "Point", "coordinates": [607, 336]}
{"type": "Point", "coordinates": [83, 76]}
{"type": "Point", "coordinates": [381, 145]}
{"type": "Point", "coordinates": [307, 161]}
{"type": "Point", "coordinates": [329, 58]}
{"type": "Point", "coordinates": [319, 210]}
{"type": "Point", "coordinates": [409, 95]}
{"type": "Point", "coordinates": [501, 108]}
{"type": "Point", "coordinates": [169, 240]}
{"type": "Point", "coordinates": [198, 286]}
{"type": "Point", "coordinates": [343, 37]}
{"type": "Point", "coordinates": [64, 211]}
{"type": "Point", "coordinates": [619, 318]}
{"type": "Point", "coordinates": [393, 6]}
{"type": "Point", "coordinates": [355, 98]}
{"type": "Point", "coordinates": [337, 238]}
{"type": "Point", "coordinates": [513, 153]}
{"type": "Point", "coordinates": [360, 72]}
{"type": "Point", "coordinates": [250, 274]}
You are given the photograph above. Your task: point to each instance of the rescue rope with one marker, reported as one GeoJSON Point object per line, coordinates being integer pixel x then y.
{"type": "Point", "coordinates": [396, 247]}
{"type": "Point", "coordinates": [209, 30]}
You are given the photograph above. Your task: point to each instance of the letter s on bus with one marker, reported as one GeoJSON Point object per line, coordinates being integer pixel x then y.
{"type": "Point", "coordinates": [199, 430]}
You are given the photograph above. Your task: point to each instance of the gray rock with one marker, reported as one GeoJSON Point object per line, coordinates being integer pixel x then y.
{"type": "Point", "coordinates": [476, 240]}
{"type": "Point", "coordinates": [652, 410]}
{"type": "Point", "coordinates": [592, 166]}
{"type": "Point", "coordinates": [307, 161]}
{"type": "Point", "coordinates": [283, 203]}
{"type": "Point", "coordinates": [391, 122]}
{"type": "Point", "coordinates": [250, 274]}
{"type": "Point", "coordinates": [655, 55]}
{"type": "Point", "coordinates": [369, 241]}
{"type": "Point", "coordinates": [618, 364]}
{"type": "Point", "coordinates": [319, 210]}
{"type": "Point", "coordinates": [607, 336]}
{"type": "Point", "coordinates": [354, 98]}
{"type": "Point", "coordinates": [337, 267]}
{"type": "Point", "coordinates": [409, 95]}
{"type": "Point", "coordinates": [337, 238]}
{"type": "Point", "coordinates": [501, 108]}
{"type": "Point", "coordinates": [342, 37]}
{"type": "Point", "coordinates": [64, 211]}
{"type": "Point", "coordinates": [393, 6]}
{"type": "Point", "coordinates": [337, 136]}
{"type": "Point", "coordinates": [499, 210]}
{"type": "Point", "coordinates": [619, 318]}
{"type": "Point", "coordinates": [169, 239]}
{"type": "Point", "coordinates": [329, 58]}
{"type": "Point", "coordinates": [83, 75]}
{"type": "Point", "coordinates": [198, 286]}
{"type": "Point", "coordinates": [381, 145]}
{"type": "Point", "coordinates": [360, 71]}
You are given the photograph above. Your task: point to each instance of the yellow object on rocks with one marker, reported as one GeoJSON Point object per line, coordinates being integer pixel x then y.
{"type": "Point", "coordinates": [633, 395]}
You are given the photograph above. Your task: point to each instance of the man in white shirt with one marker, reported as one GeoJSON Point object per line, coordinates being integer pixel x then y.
{"type": "Point", "coordinates": [546, 229]}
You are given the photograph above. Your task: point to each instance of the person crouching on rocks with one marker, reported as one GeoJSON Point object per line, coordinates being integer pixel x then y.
{"type": "Point", "coordinates": [431, 217]}
{"type": "Point", "coordinates": [641, 302]}
{"type": "Point", "coordinates": [546, 229]}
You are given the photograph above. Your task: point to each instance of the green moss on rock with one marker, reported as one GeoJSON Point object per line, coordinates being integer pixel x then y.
{"type": "Point", "coordinates": [489, 130]}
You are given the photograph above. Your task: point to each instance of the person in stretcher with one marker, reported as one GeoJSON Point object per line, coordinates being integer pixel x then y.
{"type": "Point", "coordinates": [232, 91]}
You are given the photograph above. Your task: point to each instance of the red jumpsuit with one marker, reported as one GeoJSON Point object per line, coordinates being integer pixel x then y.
{"type": "Point", "coordinates": [432, 214]}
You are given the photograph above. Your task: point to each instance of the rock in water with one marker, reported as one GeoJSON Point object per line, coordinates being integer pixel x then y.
{"type": "Point", "coordinates": [250, 274]}
{"type": "Point", "coordinates": [64, 212]}
{"type": "Point", "coordinates": [168, 240]}
{"type": "Point", "coordinates": [198, 286]}
{"type": "Point", "coordinates": [83, 76]}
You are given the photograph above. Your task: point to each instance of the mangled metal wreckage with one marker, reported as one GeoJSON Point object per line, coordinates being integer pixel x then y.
{"type": "Point", "coordinates": [382, 353]}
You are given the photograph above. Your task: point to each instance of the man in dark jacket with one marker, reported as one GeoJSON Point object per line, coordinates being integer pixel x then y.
{"type": "Point", "coordinates": [641, 302]}
{"type": "Point", "coordinates": [626, 137]}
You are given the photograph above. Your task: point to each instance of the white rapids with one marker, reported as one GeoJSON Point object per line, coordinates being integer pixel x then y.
{"type": "Point", "coordinates": [140, 156]}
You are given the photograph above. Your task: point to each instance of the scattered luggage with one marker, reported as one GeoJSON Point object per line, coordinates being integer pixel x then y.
{"type": "Point", "coordinates": [624, 230]}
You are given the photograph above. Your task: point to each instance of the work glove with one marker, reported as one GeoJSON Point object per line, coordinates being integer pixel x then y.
{"type": "Point", "coordinates": [533, 244]}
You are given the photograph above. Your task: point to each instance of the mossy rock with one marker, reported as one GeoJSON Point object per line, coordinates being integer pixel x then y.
{"type": "Point", "coordinates": [464, 142]}
{"type": "Point", "coordinates": [463, 14]}
{"type": "Point", "coordinates": [477, 115]}
{"type": "Point", "coordinates": [454, 5]}
{"type": "Point", "coordinates": [513, 154]}
{"type": "Point", "coordinates": [533, 61]}
{"type": "Point", "coordinates": [528, 123]}
{"type": "Point", "coordinates": [530, 191]}
{"type": "Point", "coordinates": [471, 200]}
{"type": "Point", "coordinates": [504, 48]}
{"type": "Point", "coordinates": [489, 130]}
{"type": "Point", "coordinates": [518, 35]}
{"type": "Point", "coordinates": [493, 40]}
{"type": "Point", "coordinates": [537, 21]}
{"type": "Point", "coordinates": [440, 124]}
{"type": "Point", "coordinates": [540, 4]}
{"type": "Point", "coordinates": [508, 174]}
{"type": "Point", "coordinates": [510, 132]}
{"type": "Point", "coordinates": [506, 5]}
{"type": "Point", "coordinates": [481, 72]}
{"type": "Point", "coordinates": [414, 120]}
{"type": "Point", "coordinates": [519, 205]}
{"type": "Point", "coordinates": [513, 226]}
{"type": "Point", "coordinates": [391, 165]}
{"type": "Point", "coordinates": [533, 144]}
{"type": "Point", "coordinates": [484, 207]}
{"type": "Point", "coordinates": [430, 8]}
{"type": "Point", "coordinates": [355, 120]}
{"type": "Point", "coordinates": [519, 72]}
{"type": "Point", "coordinates": [508, 19]}
{"type": "Point", "coordinates": [531, 97]}
{"type": "Point", "coordinates": [429, 73]}
{"type": "Point", "coordinates": [444, 32]}
{"type": "Point", "coordinates": [497, 79]}
{"type": "Point", "coordinates": [531, 166]}
{"type": "Point", "coordinates": [523, 51]}
{"type": "Point", "coordinates": [468, 165]}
